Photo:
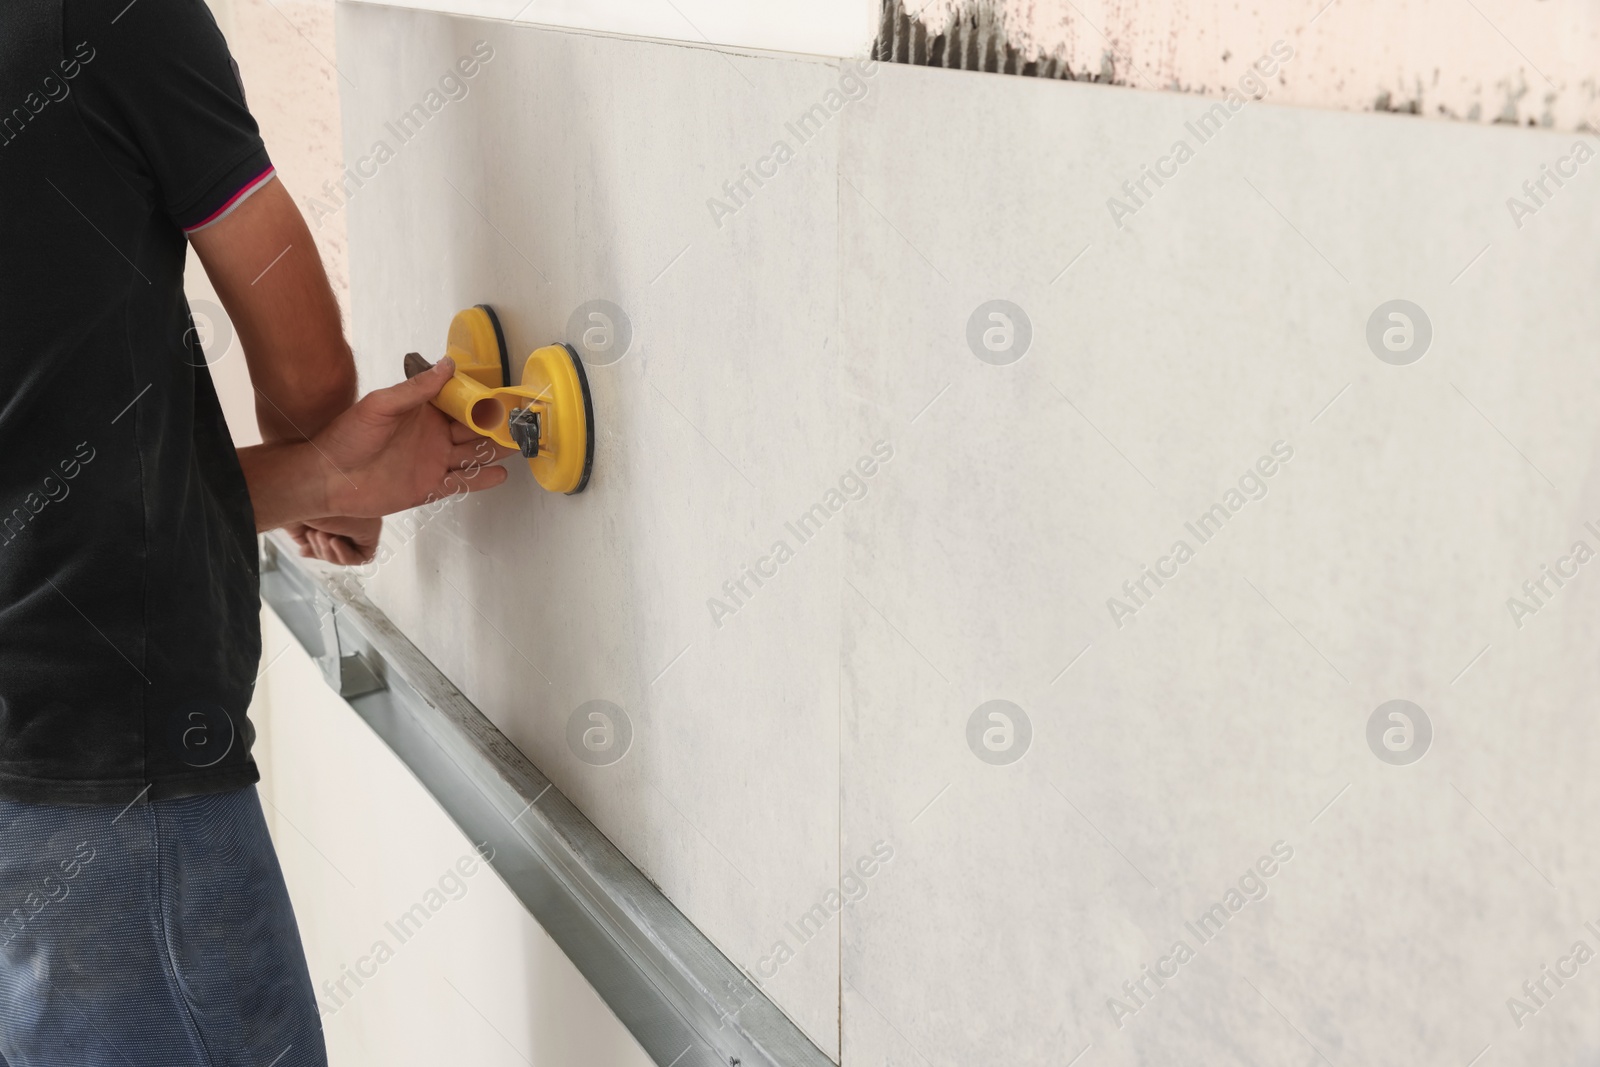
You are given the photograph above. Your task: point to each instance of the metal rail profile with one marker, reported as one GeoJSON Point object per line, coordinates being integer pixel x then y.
{"type": "Point", "coordinates": [685, 1002]}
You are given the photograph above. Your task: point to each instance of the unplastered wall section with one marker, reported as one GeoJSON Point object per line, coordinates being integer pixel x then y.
{"type": "Point", "coordinates": [1490, 61]}
{"type": "Point", "coordinates": [999, 564]}
{"type": "Point", "coordinates": [1493, 61]}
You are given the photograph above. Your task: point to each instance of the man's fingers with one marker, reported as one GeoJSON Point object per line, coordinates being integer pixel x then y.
{"type": "Point", "coordinates": [325, 547]}
{"type": "Point", "coordinates": [319, 540]}
{"type": "Point", "coordinates": [471, 456]}
{"type": "Point", "coordinates": [311, 547]}
{"type": "Point", "coordinates": [335, 548]}
{"type": "Point", "coordinates": [413, 392]}
{"type": "Point", "coordinates": [328, 547]}
{"type": "Point", "coordinates": [346, 552]}
{"type": "Point", "coordinates": [483, 478]}
{"type": "Point", "coordinates": [487, 450]}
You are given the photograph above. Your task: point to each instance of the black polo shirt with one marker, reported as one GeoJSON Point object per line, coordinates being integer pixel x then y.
{"type": "Point", "coordinates": [129, 638]}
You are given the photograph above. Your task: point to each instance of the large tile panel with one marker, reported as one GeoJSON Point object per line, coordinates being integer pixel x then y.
{"type": "Point", "coordinates": [1176, 743]}
{"type": "Point", "coordinates": [579, 168]}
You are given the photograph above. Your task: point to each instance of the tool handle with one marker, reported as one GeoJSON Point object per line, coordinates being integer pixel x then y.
{"type": "Point", "coordinates": [468, 401]}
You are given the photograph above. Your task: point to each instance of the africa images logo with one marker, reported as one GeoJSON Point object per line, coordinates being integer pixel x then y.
{"type": "Point", "coordinates": [201, 733]}
{"type": "Point", "coordinates": [599, 732]}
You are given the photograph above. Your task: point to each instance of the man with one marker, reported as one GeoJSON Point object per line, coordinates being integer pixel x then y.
{"type": "Point", "coordinates": [143, 916]}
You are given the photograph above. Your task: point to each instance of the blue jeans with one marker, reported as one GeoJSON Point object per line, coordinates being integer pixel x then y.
{"type": "Point", "coordinates": [157, 935]}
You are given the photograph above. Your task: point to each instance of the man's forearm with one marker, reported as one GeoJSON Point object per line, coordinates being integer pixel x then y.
{"type": "Point", "coordinates": [288, 415]}
{"type": "Point", "coordinates": [286, 481]}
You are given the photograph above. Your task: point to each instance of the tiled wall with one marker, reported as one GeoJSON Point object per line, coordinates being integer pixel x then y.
{"type": "Point", "coordinates": [930, 373]}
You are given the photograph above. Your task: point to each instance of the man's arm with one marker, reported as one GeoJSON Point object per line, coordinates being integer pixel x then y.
{"type": "Point", "coordinates": [263, 263]}
{"type": "Point", "coordinates": [265, 267]}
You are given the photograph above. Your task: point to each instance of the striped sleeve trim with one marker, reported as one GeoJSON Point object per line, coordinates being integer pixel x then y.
{"type": "Point", "coordinates": [233, 201]}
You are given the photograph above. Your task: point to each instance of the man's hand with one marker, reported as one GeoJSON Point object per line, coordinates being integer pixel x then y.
{"type": "Point", "coordinates": [391, 451]}
{"type": "Point", "coordinates": [337, 539]}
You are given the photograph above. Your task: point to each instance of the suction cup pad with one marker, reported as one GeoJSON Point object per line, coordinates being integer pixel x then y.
{"type": "Point", "coordinates": [555, 375]}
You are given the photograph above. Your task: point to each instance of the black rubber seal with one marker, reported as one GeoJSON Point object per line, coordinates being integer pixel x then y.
{"type": "Point", "coordinates": [500, 339]}
{"type": "Point", "coordinates": [588, 419]}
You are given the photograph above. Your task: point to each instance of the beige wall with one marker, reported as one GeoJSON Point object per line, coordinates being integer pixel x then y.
{"type": "Point", "coordinates": [285, 52]}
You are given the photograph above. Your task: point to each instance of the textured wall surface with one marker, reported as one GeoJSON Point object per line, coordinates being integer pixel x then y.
{"type": "Point", "coordinates": [1480, 60]}
{"type": "Point", "coordinates": [1485, 61]}
{"type": "Point", "coordinates": [928, 377]}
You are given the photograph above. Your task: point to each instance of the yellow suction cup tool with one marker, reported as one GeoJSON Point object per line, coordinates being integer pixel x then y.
{"type": "Point", "coordinates": [549, 417]}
